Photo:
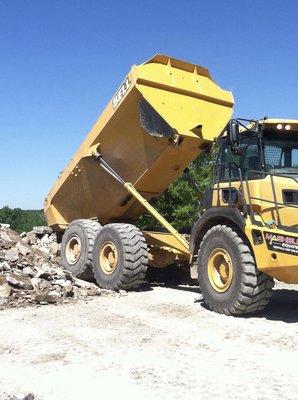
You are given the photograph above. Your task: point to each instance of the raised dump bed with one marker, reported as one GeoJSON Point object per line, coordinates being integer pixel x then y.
{"type": "Point", "coordinates": [163, 115]}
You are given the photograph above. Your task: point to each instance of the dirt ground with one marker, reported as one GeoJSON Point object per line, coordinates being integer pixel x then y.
{"type": "Point", "coordinates": [159, 343]}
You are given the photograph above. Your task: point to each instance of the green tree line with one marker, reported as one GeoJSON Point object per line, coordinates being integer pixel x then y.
{"type": "Point", "coordinates": [21, 220]}
{"type": "Point", "coordinates": [181, 202]}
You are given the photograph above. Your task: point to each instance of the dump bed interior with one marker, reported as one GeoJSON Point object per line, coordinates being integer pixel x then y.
{"type": "Point", "coordinates": [162, 116]}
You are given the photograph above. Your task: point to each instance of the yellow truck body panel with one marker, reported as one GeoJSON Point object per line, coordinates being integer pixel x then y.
{"type": "Point", "coordinates": [182, 96]}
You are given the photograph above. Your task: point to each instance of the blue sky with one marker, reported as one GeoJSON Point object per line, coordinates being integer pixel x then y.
{"type": "Point", "coordinates": [61, 61]}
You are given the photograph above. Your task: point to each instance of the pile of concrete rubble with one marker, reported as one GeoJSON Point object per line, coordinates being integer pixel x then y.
{"type": "Point", "coordinates": [30, 271]}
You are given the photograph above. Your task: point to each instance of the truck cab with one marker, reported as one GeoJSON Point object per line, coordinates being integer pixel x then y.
{"type": "Point", "coordinates": [261, 166]}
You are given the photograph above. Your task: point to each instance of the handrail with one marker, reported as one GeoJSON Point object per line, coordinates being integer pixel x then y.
{"type": "Point", "coordinates": [247, 200]}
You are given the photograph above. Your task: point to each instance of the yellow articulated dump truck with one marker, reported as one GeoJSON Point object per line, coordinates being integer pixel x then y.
{"type": "Point", "coordinates": [164, 114]}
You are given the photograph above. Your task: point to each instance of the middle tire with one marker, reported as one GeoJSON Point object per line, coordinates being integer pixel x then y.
{"type": "Point", "coordinates": [120, 257]}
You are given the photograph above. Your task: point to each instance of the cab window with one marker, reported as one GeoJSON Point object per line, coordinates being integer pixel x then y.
{"type": "Point", "coordinates": [248, 160]}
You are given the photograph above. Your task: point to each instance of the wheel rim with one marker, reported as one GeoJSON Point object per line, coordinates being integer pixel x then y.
{"type": "Point", "coordinates": [220, 270]}
{"type": "Point", "coordinates": [73, 249]}
{"type": "Point", "coordinates": [108, 258]}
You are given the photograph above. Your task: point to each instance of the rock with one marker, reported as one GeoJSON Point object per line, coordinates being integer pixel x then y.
{"type": "Point", "coordinates": [22, 396]}
{"type": "Point", "coordinates": [83, 284]}
{"type": "Point", "coordinates": [45, 271]}
{"type": "Point", "coordinates": [45, 285]}
{"type": "Point", "coordinates": [107, 292]}
{"type": "Point", "coordinates": [80, 292]}
{"type": "Point", "coordinates": [4, 236]}
{"type": "Point", "coordinates": [68, 289]}
{"type": "Point", "coordinates": [35, 283]}
{"type": "Point", "coordinates": [22, 249]}
{"type": "Point", "coordinates": [42, 230]}
{"type": "Point", "coordinates": [66, 285]}
{"type": "Point", "coordinates": [51, 298]}
{"type": "Point", "coordinates": [94, 291]}
{"type": "Point", "coordinates": [26, 240]}
{"type": "Point", "coordinates": [45, 241]}
{"type": "Point", "coordinates": [61, 282]}
{"type": "Point", "coordinates": [5, 291]}
{"type": "Point", "coordinates": [3, 301]}
{"type": "Point", "coordinates": [4, 226]}
{"type": "Point", "coordinates": [19, 281]}
{"type": "Point", "coordinates": [63, 274]}
{"type": "Point", "coordinates": [44, 249]}
{"type": "Point", "coordinates": [12, 255]}
{"type": "Point", "coordinates": [30, 238]}
{"type": "Point", "coordinates": [122, 292]}
{"type": "Point", "coordinates": [4, 266]}
{"type": "Point", "coordinates": [29, 271]}
{"type": "Point", "coordinates": [54, 248]}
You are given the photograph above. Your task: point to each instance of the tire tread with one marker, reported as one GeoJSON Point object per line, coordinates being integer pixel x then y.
{"type": "Point", "coordinates": [135, 257]}
{"type": "Point", "coordinates": [256, 286]}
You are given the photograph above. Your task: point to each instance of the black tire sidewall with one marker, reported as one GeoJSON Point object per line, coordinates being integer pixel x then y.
{"type": "Point", "coordinates": [216, 300]}
{"type": "Point", "coordinates": [112, 280]}
{"type": "Point", "coordinates": [75, 229]}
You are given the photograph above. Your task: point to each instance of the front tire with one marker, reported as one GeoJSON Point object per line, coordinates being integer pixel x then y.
{"type": "Point", "coordinates": [228, 277]}
{"type": "Point", "coordinates": [120, 257]}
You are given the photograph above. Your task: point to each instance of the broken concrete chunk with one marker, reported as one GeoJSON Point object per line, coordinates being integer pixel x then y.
{"type": "Point", "coordinates": [5, 237]}
{"type": "Point", "coordinates": [45, 285]}
{"type": "Point", "coordinates": [54, 248]}
{"type": "Point", "coordinates": [5, 291]}
{"type": "Point", "coordinates": [61, 282]}
{"type": "Point", "coordinates": [42, 230]}
{"type": "Point", "coordinates": [51, 298]}
{"type": "Point", "coordinates": [12, 255]}
{"type": "Point", "coordinates": [35, 283]}
{"type": "Point", "coordinates": [22, 396]}
{"type": "Point", "coordinates": [94, 291]}
{"type": "Point", "coordinates": [4, 301]}
{"type": "Point", "coordinates": [4, 226]}
{"type": "Point", "coordinates": [29, 271]}
{"type": "Point", "coordinates": [68, 289]}
{"type": "Point", "coordinates": [83, 284]}
{"type": "Point", "coordinates": [44, 249]}
{"type": "Point", "coordinates": [45, 271]}
{"type": "Point", "coordinates": [26, 240]}
{"type": "Point", "coordinates": [19, 281]}
{"type": "Point", "coordinates": [31, 238]}
{"type": "Point", "coordinates": [22, 249]}
{"type": "Point", "coordinates": [4, 266]}
{"type": "Point", "coordinates": [107, 292]}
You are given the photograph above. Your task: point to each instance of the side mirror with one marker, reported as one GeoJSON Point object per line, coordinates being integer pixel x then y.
{"type": "Point", "coordinates": [234, 137]}
{"type": "Point", "coordinates": [233, 133]}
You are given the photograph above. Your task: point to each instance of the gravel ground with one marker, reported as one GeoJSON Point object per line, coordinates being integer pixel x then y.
{"type": "Point", "coordinates": [159, 343]}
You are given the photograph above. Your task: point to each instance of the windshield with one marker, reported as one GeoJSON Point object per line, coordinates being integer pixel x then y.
{"type": "Point", "coordinates": [281, 152]}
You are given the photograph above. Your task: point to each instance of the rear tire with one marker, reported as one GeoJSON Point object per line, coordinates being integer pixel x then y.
{"type": "Point", "coordinates": [120, 257]}
{"type": "Point", "coordinates": [228, 277]}
{"type": "Point", "coordinates": [76, 247]}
